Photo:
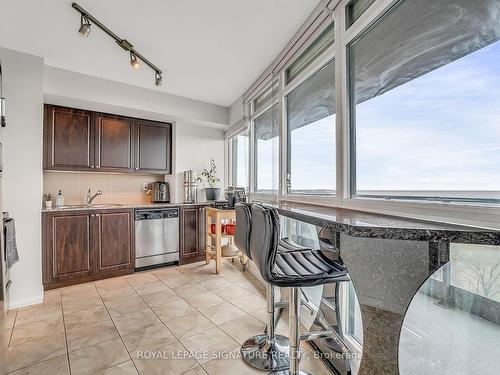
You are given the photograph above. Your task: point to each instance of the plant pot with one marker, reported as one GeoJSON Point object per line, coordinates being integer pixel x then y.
{"type": "Point", "coordinates": [212, 194]}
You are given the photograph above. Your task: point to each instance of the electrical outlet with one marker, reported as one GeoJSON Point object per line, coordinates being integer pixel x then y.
{"type": "Point", "coordinates": [145, 186]}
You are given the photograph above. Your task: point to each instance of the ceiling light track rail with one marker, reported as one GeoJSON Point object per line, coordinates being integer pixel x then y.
{"type": "Point", "coordinates": [87, 20]}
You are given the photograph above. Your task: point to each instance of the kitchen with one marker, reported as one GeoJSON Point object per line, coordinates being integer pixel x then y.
{"type": "Point", "coordinates": [188, 189]}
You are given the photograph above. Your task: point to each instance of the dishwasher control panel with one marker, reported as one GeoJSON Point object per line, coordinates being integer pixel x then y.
{"type": "Point", "coordinates": [159, 213]}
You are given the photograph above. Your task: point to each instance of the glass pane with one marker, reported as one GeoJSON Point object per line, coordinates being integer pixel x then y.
{"type": "Point", "coordinates": [320, 45]}
{"type": "Point", "coordinates": [355, 9]}
{"type": "Point", "coordinates": [239, 163]}
{"type": "Point", "coordinates": [266, 148]}
{"type": "Point", "coordinates": [311, 134]}
{"type": "Point", "coordinates": [453, 323]}
{"type": "Point", "coordinates": [354, 320]}
{"type": "Point", "coordinates": [426, 114]}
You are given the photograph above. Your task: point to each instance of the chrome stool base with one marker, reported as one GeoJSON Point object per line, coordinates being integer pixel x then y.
{"type": "Point", "coordinates": [263, 354]}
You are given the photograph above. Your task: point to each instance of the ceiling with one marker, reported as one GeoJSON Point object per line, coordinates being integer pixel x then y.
{"type": "Point", "coordinates": [208, 50]}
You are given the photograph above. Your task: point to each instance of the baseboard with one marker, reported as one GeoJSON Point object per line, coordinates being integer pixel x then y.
{"type": "Point", "coordinates": [25, 301]}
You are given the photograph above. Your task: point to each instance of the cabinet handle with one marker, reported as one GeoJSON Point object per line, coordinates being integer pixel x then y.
{"type": "Point", "coordinates": [98, 166]}
{"type": "Point", "coordinates": [92, 166]}
{"type": "Point", "coordinates": [136, 168]}
{"type": "Point", "coordinates": [92, 215]}
{"type": "Point", "coordinates": [97, 215]}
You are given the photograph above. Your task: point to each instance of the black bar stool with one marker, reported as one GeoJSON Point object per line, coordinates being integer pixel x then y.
{"type": "Point", "coordinates": [293, 269]}
{"type": "Point", "coordinates": [267, 351]}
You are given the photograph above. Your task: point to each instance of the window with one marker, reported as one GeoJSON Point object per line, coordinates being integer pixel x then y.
{"type": "Point", "coordinates": [320, 45]}
{"type": "Point", "coordinates": [239, 159]}
{"type": "Point", "coordinates": [355, 9]}
{"type": "Point", "coordinates": [266, 150]}
{"type": "Point", "coordinates": [311, 135]}
{"type": "Point", "coordinates": [425, 109]}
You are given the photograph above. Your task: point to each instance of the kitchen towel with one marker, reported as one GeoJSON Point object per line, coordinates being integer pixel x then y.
{"type": "Point", "coordinates": [9, 231]}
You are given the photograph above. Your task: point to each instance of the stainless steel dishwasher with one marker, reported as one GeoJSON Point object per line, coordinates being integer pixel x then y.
{"type": "Point", "coordinates": [156, 236]}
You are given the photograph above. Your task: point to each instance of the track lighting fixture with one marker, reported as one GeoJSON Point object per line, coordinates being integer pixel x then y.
{"type": "Point", "coordinates": [158, 79]}
{"type": "Point", "coordinates": [133, 61]}
{"type": "Point", "coordinates": [85, 25]}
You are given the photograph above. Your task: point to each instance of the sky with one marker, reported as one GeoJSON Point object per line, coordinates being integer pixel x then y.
{"type": "Point", "coordinates": [440, 131]}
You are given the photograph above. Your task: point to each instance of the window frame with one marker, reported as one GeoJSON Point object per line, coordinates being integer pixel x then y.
{"type": "Point", "coordinates": [476, 215]}
{"type": "Point", "coordinates": [263, 194]}
{"type": "Point", "coordinates": [471, 214]}
{"type": "Point", "coordinates": [230, 160]}
{"type": "Point", "coordinates": [321, 61]}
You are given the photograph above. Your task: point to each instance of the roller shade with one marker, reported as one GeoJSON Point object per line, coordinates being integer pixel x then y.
{"type": "Point", "coordinates": [312, 100]}
{"type": "Point", "coordinates": [423, 35]}
{"type": "Point", "coordinates": [267, 125]}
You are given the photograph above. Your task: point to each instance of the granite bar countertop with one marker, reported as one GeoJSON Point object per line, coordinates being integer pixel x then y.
{"type": "Point", "coordinates": [371, 225]}
{"type": "Point", "coordinates": [112, 206]}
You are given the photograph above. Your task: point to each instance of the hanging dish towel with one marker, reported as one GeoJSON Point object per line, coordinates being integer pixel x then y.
{"type": "Point", "coordinates": [9, 231]}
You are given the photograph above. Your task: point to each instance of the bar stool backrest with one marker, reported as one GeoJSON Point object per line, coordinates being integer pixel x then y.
{"type": "Point", "coordinates": [264, 240]}
{"type": "Point", "coordinates": [243, 228]}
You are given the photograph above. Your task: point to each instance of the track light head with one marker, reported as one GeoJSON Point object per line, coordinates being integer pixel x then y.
{"type": "Point", "coordinates": [84, 29]}
{"type": "Point", "coordinates": [134, 61]}
{"type": "Point", "coordinates": [158, 79]}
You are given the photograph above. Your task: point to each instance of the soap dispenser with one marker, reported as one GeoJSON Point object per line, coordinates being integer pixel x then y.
{"type": "Point", "coordinates": [59, 199]}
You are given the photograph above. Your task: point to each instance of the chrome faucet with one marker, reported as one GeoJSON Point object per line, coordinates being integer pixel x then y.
{"type": "Point", "coordinates": [91, 197]}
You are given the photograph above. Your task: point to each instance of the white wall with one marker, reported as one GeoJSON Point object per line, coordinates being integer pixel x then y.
{"type": "Point", "coordinates": [194, 147]}
{"type": "Point", "coordinates": [22, 169]}
{"type": "Point", "coordinates": [236, 111]}
{"type": "Point", "coordinates": [79, 90]}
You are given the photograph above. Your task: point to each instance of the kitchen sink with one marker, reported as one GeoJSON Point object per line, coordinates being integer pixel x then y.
{"type": "Point", "coordinates": [89, 206]}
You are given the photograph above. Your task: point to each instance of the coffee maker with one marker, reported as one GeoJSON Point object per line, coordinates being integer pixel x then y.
{"type": "Point", "coordinates": [160, 192]}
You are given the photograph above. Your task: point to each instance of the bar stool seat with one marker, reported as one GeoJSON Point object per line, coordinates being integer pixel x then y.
{"type": "Point", "coordinates": [294, 270]}
{"type": "Point", "coordinates": [305, 268]}
{"type": "Point", "coordinates": [267, 351]}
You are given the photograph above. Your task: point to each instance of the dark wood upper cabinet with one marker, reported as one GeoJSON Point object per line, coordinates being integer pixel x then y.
{"type": "Point", "coordinates": [115, 241]}
{"type": "Point", "coordinates": [153, 147]}
{"type": "Point", "coordinates": [78, 140]}
{"type": "Point", "coordinates": [113, 143]}
{"type": "Point", "coordinates": [69, 139]}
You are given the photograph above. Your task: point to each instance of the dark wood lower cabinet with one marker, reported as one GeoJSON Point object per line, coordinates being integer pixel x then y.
{"type": "Point", "coordinates": [86, 245]}
{"type": "Point", "coordinates": [192, 238]}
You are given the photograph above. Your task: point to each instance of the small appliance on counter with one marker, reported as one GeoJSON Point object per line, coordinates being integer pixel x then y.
{"type": "Point", "coordinates": [235, 195]}
{"type": "Point", "coordinates": [160, 192]}
{"type": "Point", "coordinates": [190, 187]}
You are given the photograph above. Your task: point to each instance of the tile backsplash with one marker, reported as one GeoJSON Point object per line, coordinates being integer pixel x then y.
{"type": "Point", "coordinates": [116, 188]}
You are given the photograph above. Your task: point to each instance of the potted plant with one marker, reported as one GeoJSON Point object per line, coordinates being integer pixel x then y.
{"type": "Point", "coordinates": [209, 176]}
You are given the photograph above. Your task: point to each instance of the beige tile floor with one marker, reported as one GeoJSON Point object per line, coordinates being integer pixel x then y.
{"type": "Point", "coordinates": [174, 320]}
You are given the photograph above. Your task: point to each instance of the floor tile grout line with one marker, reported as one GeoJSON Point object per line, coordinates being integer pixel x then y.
{"type": "Point", "coordinates": [12, 329]}
{"type": "Point", "coordinates": [116, 328]}
{"type": "Point", "coordinates": [154, 312]}
{"type": "Point", "coordinates": [215, 324]}
{"type": "Point", "coordinates": [65, 334]}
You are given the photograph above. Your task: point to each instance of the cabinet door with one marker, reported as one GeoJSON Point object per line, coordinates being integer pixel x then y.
{"type": "Point", "coordinates": [115, 245]}
{"type": "Point", "coordinates": [69, 139]}
{"type": "Point", "coordinates": [69, 255]}
{"type": "Point", "coordinates": [192, 243]}
{"type": "Point", "coordinates": [113, 143]}
{"type": "Point", "coordinates": [153, 147]}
